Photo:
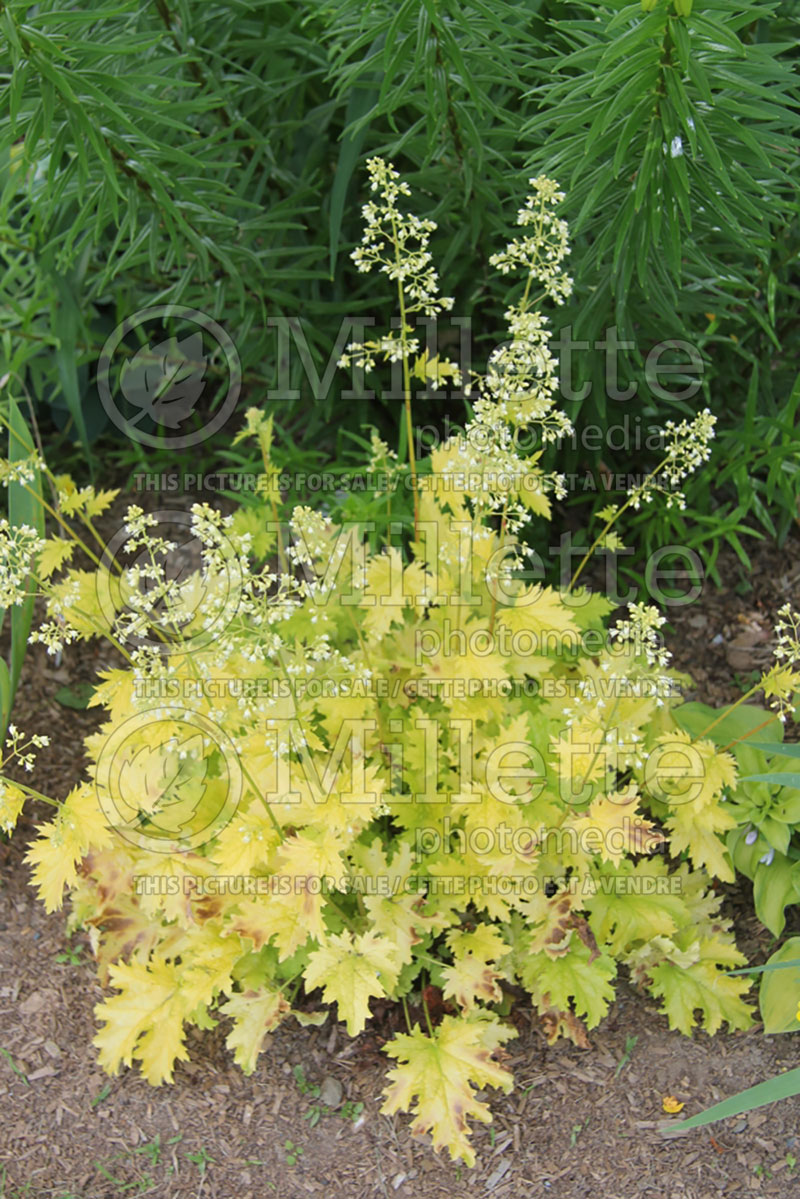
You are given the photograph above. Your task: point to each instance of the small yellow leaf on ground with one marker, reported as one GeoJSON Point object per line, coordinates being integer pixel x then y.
{"type": "Point", "coordinates": [670, 1104]}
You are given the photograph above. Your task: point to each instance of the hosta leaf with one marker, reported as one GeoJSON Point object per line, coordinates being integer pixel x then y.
{"type": "Point", "coordinates": [779, 993]}
{"type": "Point", "coordinates": [773, 889]}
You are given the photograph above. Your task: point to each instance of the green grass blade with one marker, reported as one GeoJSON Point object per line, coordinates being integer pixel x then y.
{"type": "Point", "coordinates": [782, 1087]}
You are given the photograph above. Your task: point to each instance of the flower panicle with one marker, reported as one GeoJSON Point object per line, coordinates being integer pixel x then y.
{"type": "Point", "coordinates": [396, 242]}
{"type": "Point", "coordinates": [782, 682]}
{"type": "Point", "coordinates": [540, 253]}
{"type": "Point", "coordinates": [687, 446]}
{"type": "Point", "coordinates": [642, 629]}
{"type": "Point", "coordinates": [20, 546]}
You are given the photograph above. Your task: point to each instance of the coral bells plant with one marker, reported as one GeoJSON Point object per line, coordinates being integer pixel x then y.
{"type": "Point", "coordinates": [344, 775]}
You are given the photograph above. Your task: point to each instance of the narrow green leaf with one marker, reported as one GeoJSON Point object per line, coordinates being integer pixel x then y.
{"type": "Point", "coordinates": [717, 33]}
{"type": "Point", "coordinates": [781, 1087]}
{"type": "Point", "coordinates": [772, 288]}
{"type": "Point", "coordinates": [680, 40]}
{"type": "Point", "coordinates": [360, 102]}
{"type": "Point", "coordinates": [5, 698]}
{"type": "Point", "coordinates": [786, 749]}
{"type": "Point", "coordinates": [65, 326]}
{"type": "Point", "coordinates": [786, 778]}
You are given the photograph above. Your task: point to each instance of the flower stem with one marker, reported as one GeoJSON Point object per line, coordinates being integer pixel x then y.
{"type": "Point", "coordinates": [412, 462]}
{"type": "Point", "coordinates": [30, 791]}
{"type": "Point", "coordinates": [634, 495]}
{"type": "Point", "coordinates": [727, 712]}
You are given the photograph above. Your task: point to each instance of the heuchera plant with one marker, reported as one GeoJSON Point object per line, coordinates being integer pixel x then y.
{"type": "Point", "coordinates": [374, 774]}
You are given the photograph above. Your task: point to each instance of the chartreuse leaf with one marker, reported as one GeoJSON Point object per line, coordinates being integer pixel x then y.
{"type": "Point", "coordinates": [438, 1075]}
{"type": "Point", "coordinates": [779, 993]}
{"type": "Point", "coordinates": [98, 501]}
{"type": "Point", "coordinates": [589, 608]}
{"type": "Point", "coordinates": [351, 969]}
{"type": "Point", "coordinates": [54, 868]}
{"type": "Point", "coordinates": [156, 998]}
{"type": "Point", "coordinates": [697, 829]}
{"type": "Point", "coordinates": [145, 1020]}
{"type": "Point", "coordinates": [56, 552]}
{"type": "Point", "coordinates": [12, 801]}
{"type": "Point", "coordinates": [619, 923]}
{"type": "Point", "coordinates": [255, 1014]}
{"type": "Point", "coordinates": [701, 986]}
{"type": "Point", "coordinates": [63, 841]}
{"type": "Point", "coordinates": [471, 977]}
{"type": "Point", "coordinates": [578, 976]}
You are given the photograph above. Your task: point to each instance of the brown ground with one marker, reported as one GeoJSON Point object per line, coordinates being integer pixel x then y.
{"type": "Point", "coordinates": [576, 1125]}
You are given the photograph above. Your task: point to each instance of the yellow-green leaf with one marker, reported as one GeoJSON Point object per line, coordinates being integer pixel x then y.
{"type": "Point", "coordinates": [255, 1014]}
{"type": "Point", "coordinates": [438, 1076]}
{"type": "Point", "coordinates": [352, 969]}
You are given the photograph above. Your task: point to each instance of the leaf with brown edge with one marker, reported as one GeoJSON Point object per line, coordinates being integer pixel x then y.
{"type": "Point", "coordinates": [472, 975]}
{"type": "Point", "coordinates": [550, 922]}
{"type": "Point", "coordinates": [470, 979]}
{"type": "Point", "coordinates": [126, 933]}
{"type": "Point", "coordinates": [557, 1024]}
{"type": "Point", "coordinates": [581, 926]}
{"type": "Point", "coordinates": [255, 1014]}
{"type": "Point", "coordinates": [439, 1074]}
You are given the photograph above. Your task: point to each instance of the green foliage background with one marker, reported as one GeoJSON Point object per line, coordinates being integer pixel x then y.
{"type": "Point", "coordinates": [211, 155]}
